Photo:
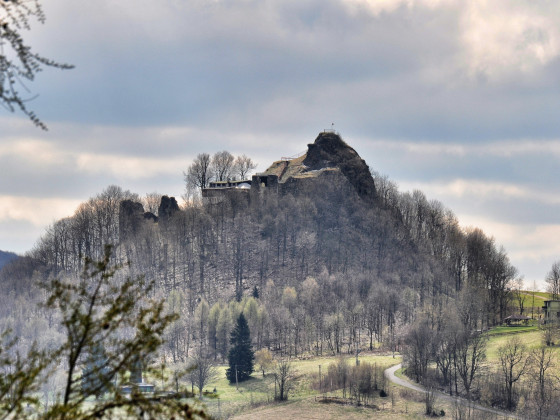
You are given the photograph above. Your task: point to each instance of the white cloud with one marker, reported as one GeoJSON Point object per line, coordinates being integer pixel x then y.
{"type": "Point", "coordinates": [501, 36]}
{"type": "Point", "coordinates": [128, 166]}
{"type": "Point", "coordinates": [469, 190]}
{"type": "Point", "coordinates": [377, 7]}
{"type": "Point", "coordinates": [34, 151]}
{"type": "Point", "coordinates": [500, 148]}
{"type": "Point", "coordinates": [498, 37]}
{"type": "Point", "coordinates": [38, 211]}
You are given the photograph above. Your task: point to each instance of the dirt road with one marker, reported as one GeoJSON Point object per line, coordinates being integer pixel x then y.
{"type": "Point", "coordinates": [390, 374]}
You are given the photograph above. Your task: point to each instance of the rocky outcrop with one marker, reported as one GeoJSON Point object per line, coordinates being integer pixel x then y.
{"type": "Point", "coordinates": [131, 219]}
{"type": "Point", "coordinates": [328, 157]}
{"type": "Point", "coordinates": [167, 208]}
{"type": "Point", "coordinates": [330, 151]}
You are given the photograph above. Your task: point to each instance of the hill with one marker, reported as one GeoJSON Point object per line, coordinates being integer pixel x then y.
{"type": "Point", "coordinates": [6, 257]}
{"type": "Point", "coordinates": [321, 253]}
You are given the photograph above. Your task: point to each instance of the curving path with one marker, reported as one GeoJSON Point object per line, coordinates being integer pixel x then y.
{"type": "Point", "coordinates": [390, 374]}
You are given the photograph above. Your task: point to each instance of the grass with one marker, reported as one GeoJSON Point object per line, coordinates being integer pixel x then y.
{"type": "Point", "coordinates": [504, 330]}
{"type": "Point", "coordinates": [259, 391]}
{"type": "Point", "coordinates": [314, 410]}
{"type": "Point", "coordinates": [543, 295]}
{"type": "Point", "coordinates": [531, 339]}
{"type": "Point", "coordinates": [534, 307]}
{"type": "Point", "coordinates": [254, 399]}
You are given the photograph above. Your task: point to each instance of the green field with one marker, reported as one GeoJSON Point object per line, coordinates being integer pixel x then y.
{"type": "Point", "coordinates": [259, 391]}
{"type": "Point", "coordinates": [254, 399]}
{"type": "Point", "coordinates": [534, 301]}
{"type": "Point", "coordinates": [505, 330]}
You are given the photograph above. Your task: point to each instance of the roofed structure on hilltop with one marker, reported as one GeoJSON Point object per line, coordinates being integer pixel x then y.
{"type": "Point", "coordinates": [329, 155]}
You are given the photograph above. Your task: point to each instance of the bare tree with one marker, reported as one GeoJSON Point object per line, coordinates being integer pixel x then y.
{"type": "Point", "coordinates": [243, 165]}
{"type": "Point", "coordinates": [203, 372]}
{"type": "Point", "coordinates": [519, 294]}
{"type": "Point", "coordinates": [514, 363]}
{"type": "Point", "coordinates": [151, 202]}
{"type": "Point", "coordinates": [222, 165]}
{"type": "Point", "coordinates": [285, 377]}
{"type": "Point", "coordinates": [470, 353]}
{"type": "Point", "coordinates": [198, 174]}
{"type": "Point", "coordinates": [418, 350]}
{"type": "Point", "coordinates": [18, 62]}
{"type": "Point", "coordinates": [543, 361]}
{"type": "Point", "coordinates": [553, 280]}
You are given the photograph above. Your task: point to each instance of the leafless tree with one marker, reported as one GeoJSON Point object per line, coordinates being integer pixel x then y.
{"type": "Point", "coordinates": [18, 62]}
{"type": "Point", "coordinates": [553, 280]}
{"type": "Point", "coordinates": [285, 377]}
{"type": "Point", "coordinates": [418, 350]}
{"type": "Point", "coordinates": [151, 202]}
{"type": "Point", "coordinates": [519, 294]}
{"type": "Point", "coordinates": [514, 364]}
{"type": "Point", "coordinates": [470, 351]}
{"type": "Point", "coordinates": [198, 174]}
{"type": "Point", "coordinates": [222, 165]}
{"type": "Point", "coordinates": [243, 165]}
{"type": "Point", "coordinates": [203, 372]}
{"type": "Point", "coordinates": [543, 361]}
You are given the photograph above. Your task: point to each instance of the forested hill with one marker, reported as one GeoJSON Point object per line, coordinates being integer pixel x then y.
{"type": "Point", "coordinates": [6, 257]}
{"type": "Point", "coordinates": [326, 247]}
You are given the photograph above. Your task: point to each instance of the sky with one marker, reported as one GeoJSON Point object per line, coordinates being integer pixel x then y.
{"type": "Point", "coordinates": [456, 98]}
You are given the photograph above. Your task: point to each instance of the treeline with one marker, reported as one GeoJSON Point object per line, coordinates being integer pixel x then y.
{"type": "Point", "coordinates": [443, 350]}
{"type": "Point", "coordinates": [331, 273]}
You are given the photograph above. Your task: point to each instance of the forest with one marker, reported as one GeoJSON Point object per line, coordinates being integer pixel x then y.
{"type": "Point", "coordinates": [324, 268]}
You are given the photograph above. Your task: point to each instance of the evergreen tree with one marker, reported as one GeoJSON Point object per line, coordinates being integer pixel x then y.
{"type": "Point", "coordinates": [240, 356]}
{"type": "Point", "coordinates": [95, 372]}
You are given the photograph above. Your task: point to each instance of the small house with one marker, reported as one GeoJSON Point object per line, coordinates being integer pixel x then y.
{"type": "Point", "coordinates": [551, 311]}
{"type": "Point", "coordinates": [516, 320]}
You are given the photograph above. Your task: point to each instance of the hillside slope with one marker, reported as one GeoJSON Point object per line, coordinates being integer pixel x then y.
{"type": "Point", "coordinates": [6, 257]}
{"type": "Point", "coordinates": [334, 256]}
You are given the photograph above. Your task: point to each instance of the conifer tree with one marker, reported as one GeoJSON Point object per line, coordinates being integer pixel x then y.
{"type": "Point", "coordinates": [95, 372]}
{"type": "Point", "coordinates": [241, 355]}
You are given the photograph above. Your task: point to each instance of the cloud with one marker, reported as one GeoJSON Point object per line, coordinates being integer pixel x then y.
{"type": "Point", "coordinates": [37, 211]}
{"type": "Point", "coordinates": [502, 37]}
{"type": "Point", "coordinates": [466, 188]}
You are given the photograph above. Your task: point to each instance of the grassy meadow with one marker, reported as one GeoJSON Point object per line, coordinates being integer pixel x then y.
{"type": "Point", "coordinates": [259, 391]}
{"type": "Point", "coordinates": [255, 398]}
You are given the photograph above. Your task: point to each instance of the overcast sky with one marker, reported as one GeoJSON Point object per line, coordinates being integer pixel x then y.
{"type": "Point", "coordinates": [456, 98]}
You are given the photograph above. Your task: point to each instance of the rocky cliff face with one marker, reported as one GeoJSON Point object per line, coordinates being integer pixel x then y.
{"type": "Point", "coordinates": [131, 219]}
{"type": "Point", "coordinates": [328, 156]}
{"type": "Point", "coordinates": [330, 151]}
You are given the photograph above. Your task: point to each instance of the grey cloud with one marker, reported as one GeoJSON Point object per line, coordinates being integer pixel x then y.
{"type": "Point", "coordinates": [252, 57]}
